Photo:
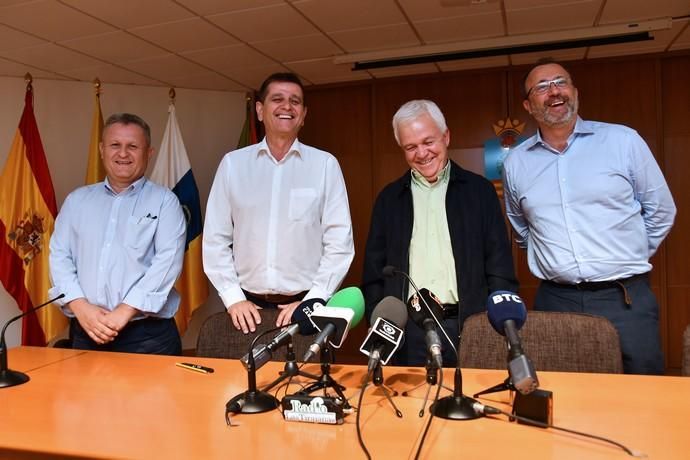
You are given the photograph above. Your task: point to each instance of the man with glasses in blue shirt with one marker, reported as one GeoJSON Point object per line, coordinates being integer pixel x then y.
{"type": "Point", "coordinates": [590, 204]}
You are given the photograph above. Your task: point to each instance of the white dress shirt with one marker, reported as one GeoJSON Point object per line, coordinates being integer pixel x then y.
{"type": "Point", "coordinates": [277, 227]}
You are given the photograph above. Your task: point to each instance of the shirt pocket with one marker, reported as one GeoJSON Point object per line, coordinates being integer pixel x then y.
{"type": "Point", "coordinates": [140, 232]}
{"type": "Point", "coordinates": [303, 204]}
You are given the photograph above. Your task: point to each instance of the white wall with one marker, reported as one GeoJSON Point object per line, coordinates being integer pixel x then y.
{"type": "Point", "coordinates": [210, 121]}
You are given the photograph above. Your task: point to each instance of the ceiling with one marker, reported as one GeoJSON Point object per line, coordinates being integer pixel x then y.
{"type": "Point", "coordinates": [234, 44]}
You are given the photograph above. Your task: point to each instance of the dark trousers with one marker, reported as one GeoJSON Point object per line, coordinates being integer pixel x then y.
{"type": "Point", "coordinates": [149, 335]}
{"type": "Point", "coordinates": [637, 324]}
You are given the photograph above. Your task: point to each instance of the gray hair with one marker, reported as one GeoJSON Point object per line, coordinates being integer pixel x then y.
{"type": "Point", "coordinates": [414, 109]}
{"type": "Point", "coordinates": [129, 119]}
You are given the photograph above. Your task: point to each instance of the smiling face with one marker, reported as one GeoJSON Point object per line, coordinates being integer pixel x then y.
{"type": "Point", "coordinates": [282, 110]}
{"type": "Point", "coordinates": [559, 104]}
{"type": "Point", "coordinates": [425, 145]}
{"type": "Point", "coordinates": [125, 154]}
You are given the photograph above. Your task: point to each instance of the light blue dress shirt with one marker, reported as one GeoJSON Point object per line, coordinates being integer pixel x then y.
{"type": "Point", "coordinates": [113, 248]}
{"type": "Point", "coordinates": [595, 212]}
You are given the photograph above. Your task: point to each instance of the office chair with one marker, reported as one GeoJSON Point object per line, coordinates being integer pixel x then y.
{"type": "Point", "coordinates": [218, 337]}
{"type": "Point", "coordinates": [554, 341]}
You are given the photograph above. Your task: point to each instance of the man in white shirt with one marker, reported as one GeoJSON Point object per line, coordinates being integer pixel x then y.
{"type": "Point", "coordinates": [277, 228]}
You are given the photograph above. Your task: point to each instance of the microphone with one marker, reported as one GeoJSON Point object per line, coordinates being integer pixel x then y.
{"type": "Point", "coordinates": [342, 312]}
{"type": "Point", "coordinates": [507, 314]}
{"type": "Point", "coordinates": [424, 319]}
{"type": "Point", "coordinates": [299, 323]}
{"type": "Point", "coordinates": [10, 378]}
{"type": "Point", "coordinates": [386, 333]}
{"type": "Point", "coordinates": [456, 406]}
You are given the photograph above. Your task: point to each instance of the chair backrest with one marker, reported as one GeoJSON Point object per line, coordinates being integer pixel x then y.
{"type": "Point", "coordinates": [218, 337]}
{"type": "Point", "coordinates": [567, 342]}
{"type": "Point", "coordinates": [686, 352]}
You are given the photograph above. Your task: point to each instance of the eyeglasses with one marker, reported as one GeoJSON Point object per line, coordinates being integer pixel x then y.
{"type": "Point", "coordinates": [543, 86]}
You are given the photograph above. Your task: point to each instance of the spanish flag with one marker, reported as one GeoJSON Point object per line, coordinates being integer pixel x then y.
{"type": "Point", "coordinates": [173, 170]}
{"type": "Point", "coordinates": [27, 217]}
{"type": "Point", "coordinates": [95, 172]}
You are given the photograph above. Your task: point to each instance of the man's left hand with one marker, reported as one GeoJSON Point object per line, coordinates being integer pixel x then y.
{"type": "Point", "coordinates": [120, 316]}
{"type": "Point", "coordinates": [285, 315]}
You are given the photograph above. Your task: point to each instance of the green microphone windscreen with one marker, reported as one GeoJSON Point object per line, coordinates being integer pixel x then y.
{"type": "Point", "coordinates": [352, 298]}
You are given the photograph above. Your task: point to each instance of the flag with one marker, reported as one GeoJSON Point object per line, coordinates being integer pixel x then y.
{"type": "Point", "coordinates": [249, 134]}
{"type": "Point", "coordinates": [173, 170]}
{"type": "Point", "coordinates": [95, 172]}
{"type": "Point", "coordinates": [27, 218]}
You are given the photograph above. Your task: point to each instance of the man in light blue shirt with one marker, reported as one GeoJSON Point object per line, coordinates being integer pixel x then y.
{"type": "Point", "coordinates": [589, 202]}
{"type": "Point", "coordinates": [118, 248]}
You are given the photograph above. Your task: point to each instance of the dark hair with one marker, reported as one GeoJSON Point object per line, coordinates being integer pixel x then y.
{"type": "Point", "coordinates": [540, 62]}
{"type": "Point", "coordinates": [282, 77]}
{"type": "Point", "coordinates": [129, 119]}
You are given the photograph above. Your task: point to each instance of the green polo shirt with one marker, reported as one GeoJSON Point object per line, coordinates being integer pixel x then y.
{"type": "Point", "coordinates": [432, 264]}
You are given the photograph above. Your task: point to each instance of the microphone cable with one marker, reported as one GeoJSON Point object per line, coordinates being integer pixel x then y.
{"type": "Point", "coordinates": [367, 378]}
{"type": "Point", "coordinates": [489, 411]}
{"type": "Point", "coordinates": [431, 415]}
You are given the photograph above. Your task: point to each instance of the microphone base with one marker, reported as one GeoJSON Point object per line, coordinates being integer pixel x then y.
{"type": "Point", "coordinates": [10, 378]}
{"type": "Point", "coordinates": [455, 408]}
{"type": "Point", "coordinates": [252, 402]}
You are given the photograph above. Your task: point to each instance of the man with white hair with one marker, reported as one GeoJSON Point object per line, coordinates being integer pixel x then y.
{"type": "Point", "coordinates": [441, 224]}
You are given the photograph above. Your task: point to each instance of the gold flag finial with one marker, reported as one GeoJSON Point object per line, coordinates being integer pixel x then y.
{"type": "Point", "coordinates": [28, 79]}
{"type": "Point", "coordinates": [97, 85]}
{"type": "Point", "coordinates": [171, 93]}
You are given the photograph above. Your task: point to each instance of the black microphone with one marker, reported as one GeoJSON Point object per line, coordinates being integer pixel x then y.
{"type": "Point", "coordinates": [456, 406]}
{"type": "Point", "coordinates": [507, 314]}
{"type": "Point", "coordinates": [10, 378]}
{"type": "Point", "coordinates": [385, 336]}
{"type": "Point", "coordinates": [423, 317]}
{"type": "Point", "coordinates": [299, 324]}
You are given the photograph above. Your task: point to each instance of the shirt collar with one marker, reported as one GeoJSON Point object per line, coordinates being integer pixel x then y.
{"type": "Point", "coordinates": [295, 148]}
{"type": "Point", "coordinates": [136, 185]}
{"type": "Point", "coordinates": [581, 127]}
{"type": "Point", "coordinates": [421, 181]}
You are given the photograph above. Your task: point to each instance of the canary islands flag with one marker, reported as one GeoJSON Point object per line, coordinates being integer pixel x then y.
{"type": "Point", "coordinates": [173, 170]}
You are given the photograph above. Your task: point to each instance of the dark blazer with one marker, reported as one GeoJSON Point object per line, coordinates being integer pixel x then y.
{"type": "Point", "coordinates": [481, 248]}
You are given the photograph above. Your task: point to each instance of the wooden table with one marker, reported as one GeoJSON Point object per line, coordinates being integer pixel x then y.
{"type": "Point", "coordinates": [117, 405]}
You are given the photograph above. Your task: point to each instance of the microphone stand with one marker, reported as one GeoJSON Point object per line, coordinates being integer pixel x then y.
{"type": "Point", "coordinates": [291, 369]}
{"type": "Point", "coordinates": [377, 379]}
{"type": "Point", "coordinates": [504, 386]}
{"type": "Point", "coordinates": [326, 380]}
{"type": "Point", "coordinates": [251, 401]}
{"type": "Point", "coordinates": [430, 381]}
{"type": "Point", "coordinates": [8, 377]}
{"type": "Point", "coordinates": [457, 406]}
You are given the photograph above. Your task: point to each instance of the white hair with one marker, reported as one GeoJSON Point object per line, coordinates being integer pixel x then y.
{"type": "Point", "coordinates": [414, 109]}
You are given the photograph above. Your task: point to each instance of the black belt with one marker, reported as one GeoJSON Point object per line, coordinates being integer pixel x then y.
{"type": "Point", "coordinates": [276, 298]}
{"type": "Point", "coordinates": [599, 285]}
